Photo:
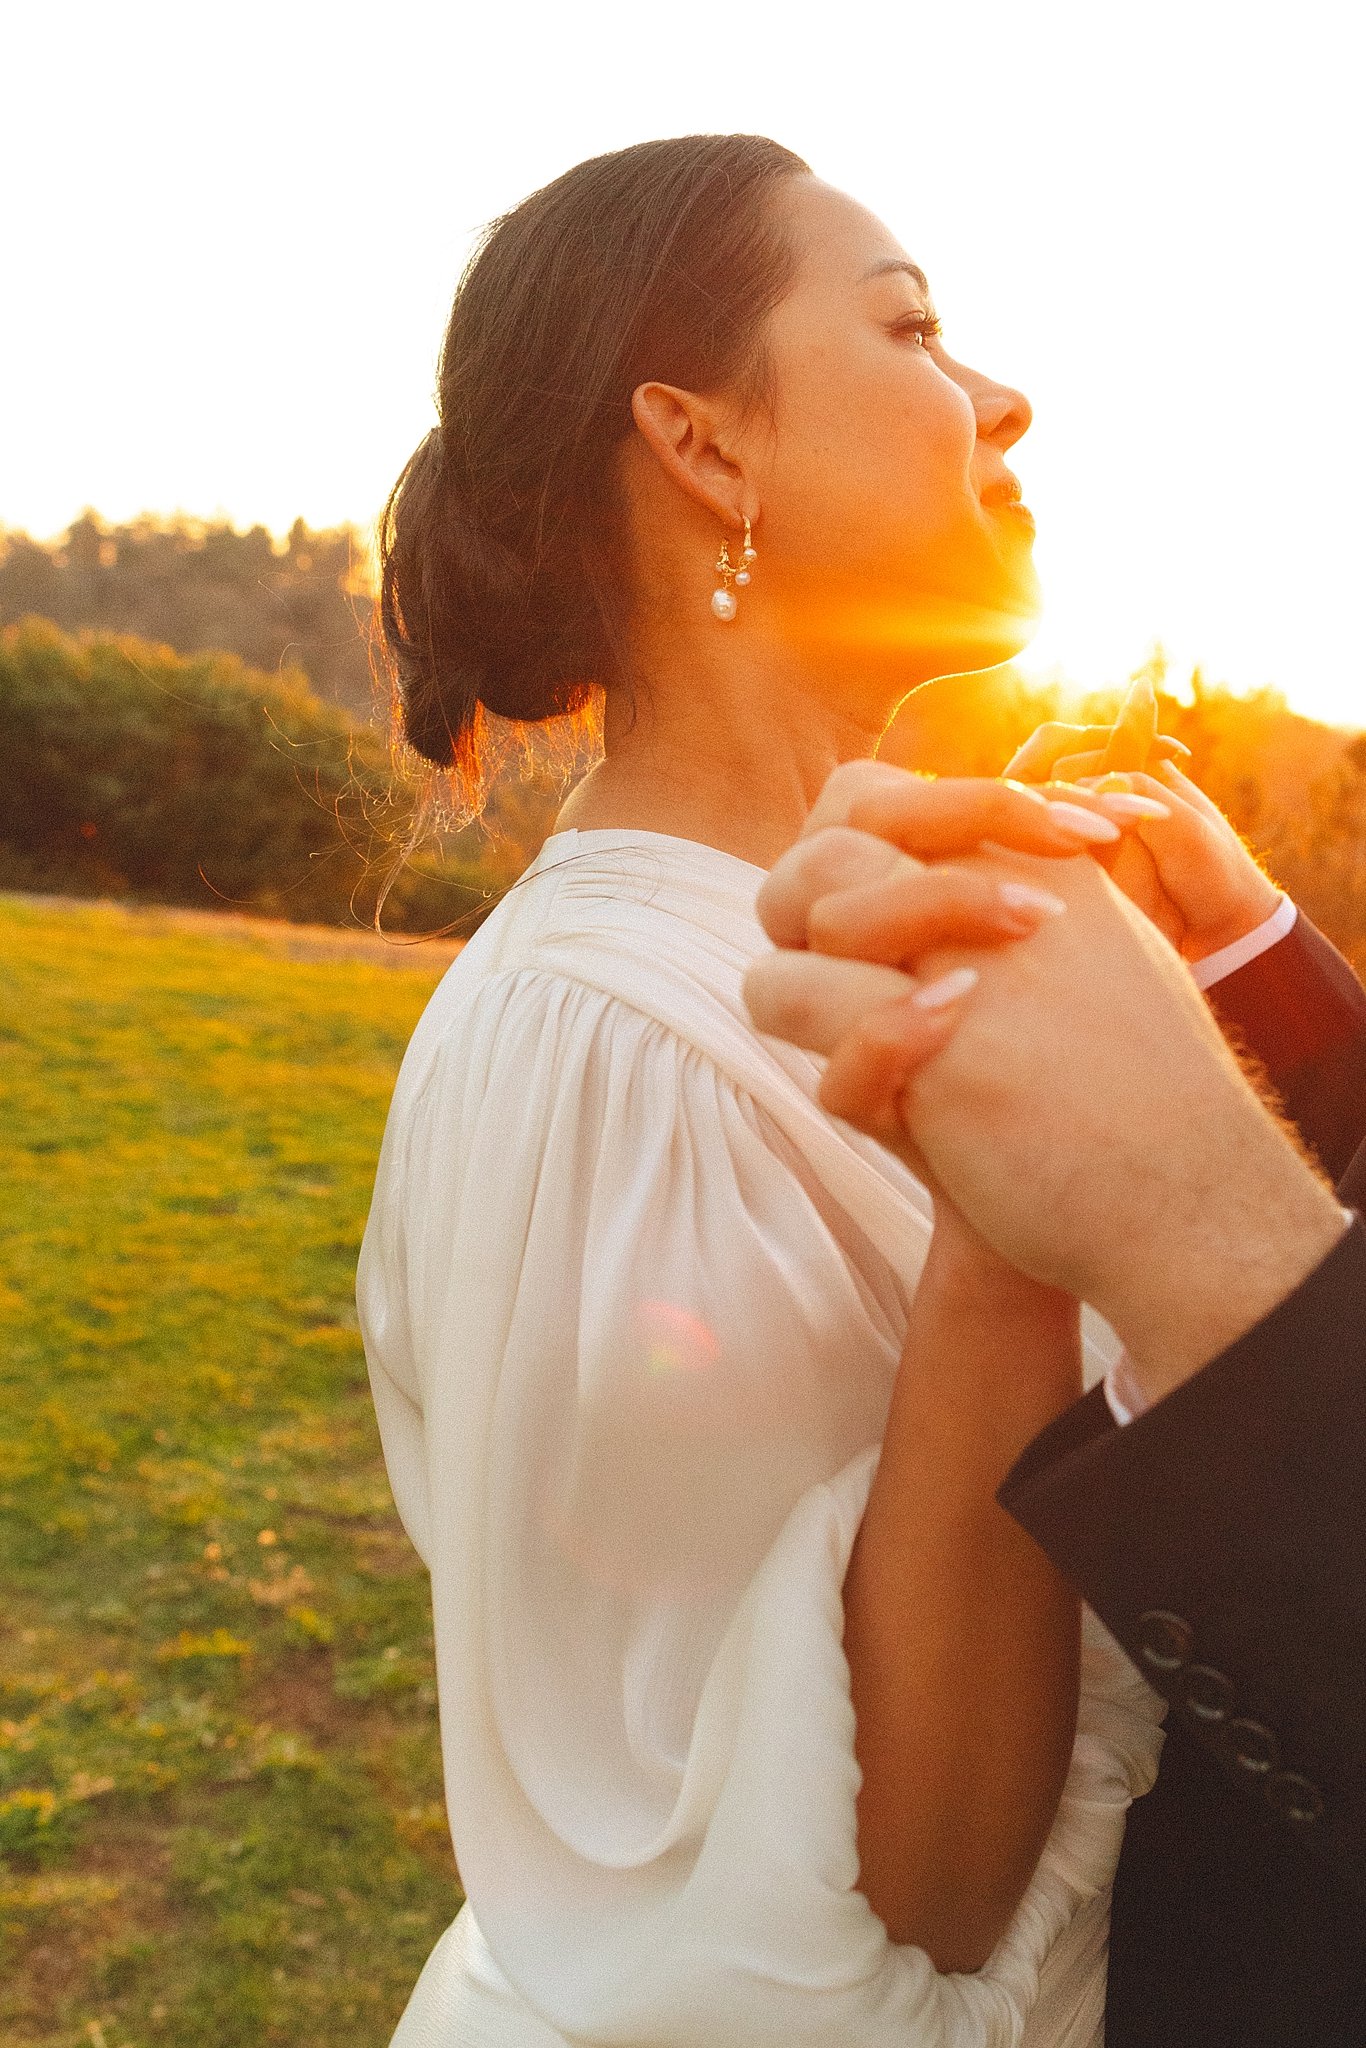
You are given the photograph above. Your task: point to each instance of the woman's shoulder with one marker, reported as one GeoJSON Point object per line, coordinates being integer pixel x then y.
{"type": "Point", "coordinates": [603, 996]}
{"type": "Point", "coordinates": [628, 884]}
{"type": "Point", "coordinates": [607, 929]}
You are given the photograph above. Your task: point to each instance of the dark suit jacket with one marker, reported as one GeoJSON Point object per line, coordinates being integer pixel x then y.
{"type": "Point", "coordinates": [1222, 1538]}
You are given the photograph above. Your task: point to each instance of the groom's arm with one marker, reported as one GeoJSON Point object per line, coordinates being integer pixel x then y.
{"type": "Point", "coordinates": [1209, 1575]}
{"type": "Point", "coordinates": [1221, 1537]}
{"type": "Point", "coordinates": [1083, 1114]}
{"type": "Point", "coordinates": [1299, 1009]}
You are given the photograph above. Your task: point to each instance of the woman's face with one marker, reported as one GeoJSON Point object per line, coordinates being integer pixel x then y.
{"type": "Point", "coordinates": [887, 514]}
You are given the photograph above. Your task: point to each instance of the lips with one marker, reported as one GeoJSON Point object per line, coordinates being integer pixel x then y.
{"type": "Point", "coordinates": [1004, 496]}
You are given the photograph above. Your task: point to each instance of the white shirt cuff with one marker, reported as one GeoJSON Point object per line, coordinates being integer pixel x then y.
{"type": "Point", "coordinates": [1229, 959]}
{"type": "Point", "coordinates": [1123, 1396]}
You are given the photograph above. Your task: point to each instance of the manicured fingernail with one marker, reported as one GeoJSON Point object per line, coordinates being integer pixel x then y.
{"type": "Point", "coordinates": [1164, 739]}
{"type": "Point", "coordinates": [1113, 784]}
{"type": "Point", "coordinates": [1122, 806]}
{"type": "Point", "coordinates": [949, 988]}
{"type": "Point", "coordinates": [1022, 896]}
{"type": "Point", "coordinates": [1083, 825]}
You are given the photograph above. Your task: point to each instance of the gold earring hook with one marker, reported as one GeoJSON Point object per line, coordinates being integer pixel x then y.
{"type": "Point", "coordinates": [723, 600]}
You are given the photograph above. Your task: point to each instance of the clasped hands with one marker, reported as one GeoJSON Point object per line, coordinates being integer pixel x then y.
{"type": "Point", "coordinates": [1019, 1026]}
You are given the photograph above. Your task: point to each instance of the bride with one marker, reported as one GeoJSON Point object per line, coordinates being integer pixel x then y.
{"type": "Point", "coordinates": [749, 1738]}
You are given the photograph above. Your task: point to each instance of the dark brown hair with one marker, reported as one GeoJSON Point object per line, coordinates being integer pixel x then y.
{"type": "Point", "coordinates": [502, 544]}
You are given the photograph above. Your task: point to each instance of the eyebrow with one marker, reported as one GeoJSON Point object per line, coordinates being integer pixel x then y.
{"type": "Point", "coordinates": [899, 263]}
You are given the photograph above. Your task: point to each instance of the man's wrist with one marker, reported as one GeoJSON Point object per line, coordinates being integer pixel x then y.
{"type": "Point", "coordinates": [1217, 956]}
{"type": "Point", "coordinates": [1204, 1287]}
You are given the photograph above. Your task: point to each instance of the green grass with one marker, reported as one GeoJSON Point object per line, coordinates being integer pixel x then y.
{"type": "Point", "coordinates": [221, 1818]}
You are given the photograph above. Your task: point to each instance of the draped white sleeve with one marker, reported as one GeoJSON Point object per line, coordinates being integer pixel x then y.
{"type": "Point", "coordinates": [633, 1308]}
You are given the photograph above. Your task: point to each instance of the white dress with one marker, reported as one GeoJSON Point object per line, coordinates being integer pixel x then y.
{"type": "Point", "coordinates": [633, 1305]}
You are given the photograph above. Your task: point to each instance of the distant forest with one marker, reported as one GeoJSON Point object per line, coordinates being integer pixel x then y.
{"type": "Point", "coordinates": [296, 614]}
{"type": "Point", "coordinates": [199, 587]}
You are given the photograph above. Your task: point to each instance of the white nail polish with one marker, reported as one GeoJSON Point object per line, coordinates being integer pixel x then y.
{"type": "Point", "coordinates": [1084, 825]}
{"type": "Point", "coordinates": [937, 995]}
{"type": "Point", "coordinates": [1119, 804]}
{"type": "Point", "coordinates": [1021, 896]}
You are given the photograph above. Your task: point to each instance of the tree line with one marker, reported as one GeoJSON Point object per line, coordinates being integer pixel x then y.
{"type": "Point", "coordinates": [189, 715]}
{"type": "Point", "coordinates": [201, 587]}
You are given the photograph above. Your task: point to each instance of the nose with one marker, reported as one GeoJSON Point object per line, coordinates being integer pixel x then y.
{"type": "Point", "coordinates": [1003, 414]}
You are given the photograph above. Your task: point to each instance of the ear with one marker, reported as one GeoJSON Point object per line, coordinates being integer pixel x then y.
{"type": "Point", "coordinates": [684, 433]}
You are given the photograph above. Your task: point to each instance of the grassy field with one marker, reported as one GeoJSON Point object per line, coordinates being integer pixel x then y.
{"type": "Point", "coordinates": [220, 1799]}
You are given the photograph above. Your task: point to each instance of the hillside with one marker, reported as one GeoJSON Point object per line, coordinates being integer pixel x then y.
{"type": "Point", "coordinates": [221, 1819]}
{"type": "Point", "coordinates": [139, 773]}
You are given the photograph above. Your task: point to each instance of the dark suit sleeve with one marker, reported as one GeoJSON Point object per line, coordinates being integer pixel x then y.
{"type": "Point", "coordinates": [1301, 1010]}
{"type": "Point", "coordinates": [1221, 1537]}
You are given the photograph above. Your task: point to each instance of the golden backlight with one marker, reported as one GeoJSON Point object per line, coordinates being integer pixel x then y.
{"type": "Point", "coordinates": [233, 254]}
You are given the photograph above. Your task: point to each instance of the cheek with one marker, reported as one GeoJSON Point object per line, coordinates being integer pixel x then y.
{"type": "Point", "coordinates": [870, 448]}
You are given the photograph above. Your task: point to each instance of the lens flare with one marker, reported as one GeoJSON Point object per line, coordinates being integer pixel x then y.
{"type": "Point", "coordinates": [674, 1340]}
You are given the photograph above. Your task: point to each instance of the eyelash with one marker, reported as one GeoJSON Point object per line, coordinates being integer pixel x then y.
{"type": "Point", "coordinates": [924, 325]}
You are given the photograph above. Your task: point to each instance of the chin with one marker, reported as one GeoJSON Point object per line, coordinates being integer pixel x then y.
{"type": "Point", "coordinates": [926, 638]}
{"type": "Point", "coordinates": [1000, 638]}
{"type": "Point", "coordinates": [984, 610]}
{"type": "Point", "coordinates": [980, 615]}
{"type": "Point", "coordinates": [968, 634]}
{"type": "Point", "coordinates": [991, 626]}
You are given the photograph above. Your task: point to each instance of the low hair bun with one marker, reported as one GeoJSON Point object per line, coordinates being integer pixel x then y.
{"type": "Point", "coordinates": [467, 622]}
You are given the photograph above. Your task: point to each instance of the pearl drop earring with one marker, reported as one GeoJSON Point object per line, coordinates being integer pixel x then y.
{"type": "Point", "coordinates": [723, 600]}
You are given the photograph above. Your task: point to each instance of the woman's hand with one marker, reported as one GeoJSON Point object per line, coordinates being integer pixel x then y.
{"type": "Point", "coordinates": [873, 824]}
{"type": "Point", "coordinates": [856, 887]}
{"type": "Point", "coordinates": [936, 817]}
{"type": "Point", "coordinates": [853, 890]}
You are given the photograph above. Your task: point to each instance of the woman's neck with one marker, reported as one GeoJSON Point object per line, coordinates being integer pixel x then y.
{"type": "Point", "coordinates": [730, 747]}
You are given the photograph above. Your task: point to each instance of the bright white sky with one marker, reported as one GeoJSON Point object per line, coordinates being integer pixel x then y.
{"type": "Point", "coordinates": [231, 236]}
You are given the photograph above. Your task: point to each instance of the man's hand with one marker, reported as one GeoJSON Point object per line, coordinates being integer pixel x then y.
{"type": "Point", "coordinates": [1213, 890]}
{"type": "Point", "coordinates": [1066, 753]}
{"type": "Point", "coordinates": [1189, 872]}
{"type": "Point", "coordinates": [1079, 1106]}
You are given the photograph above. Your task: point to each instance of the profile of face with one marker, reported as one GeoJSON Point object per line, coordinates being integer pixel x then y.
{"type": "Point", "coordinates": [886, 519]}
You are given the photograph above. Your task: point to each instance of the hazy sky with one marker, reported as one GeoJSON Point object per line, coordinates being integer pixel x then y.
{"type": "Point", "coordinates": [231, 236]}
